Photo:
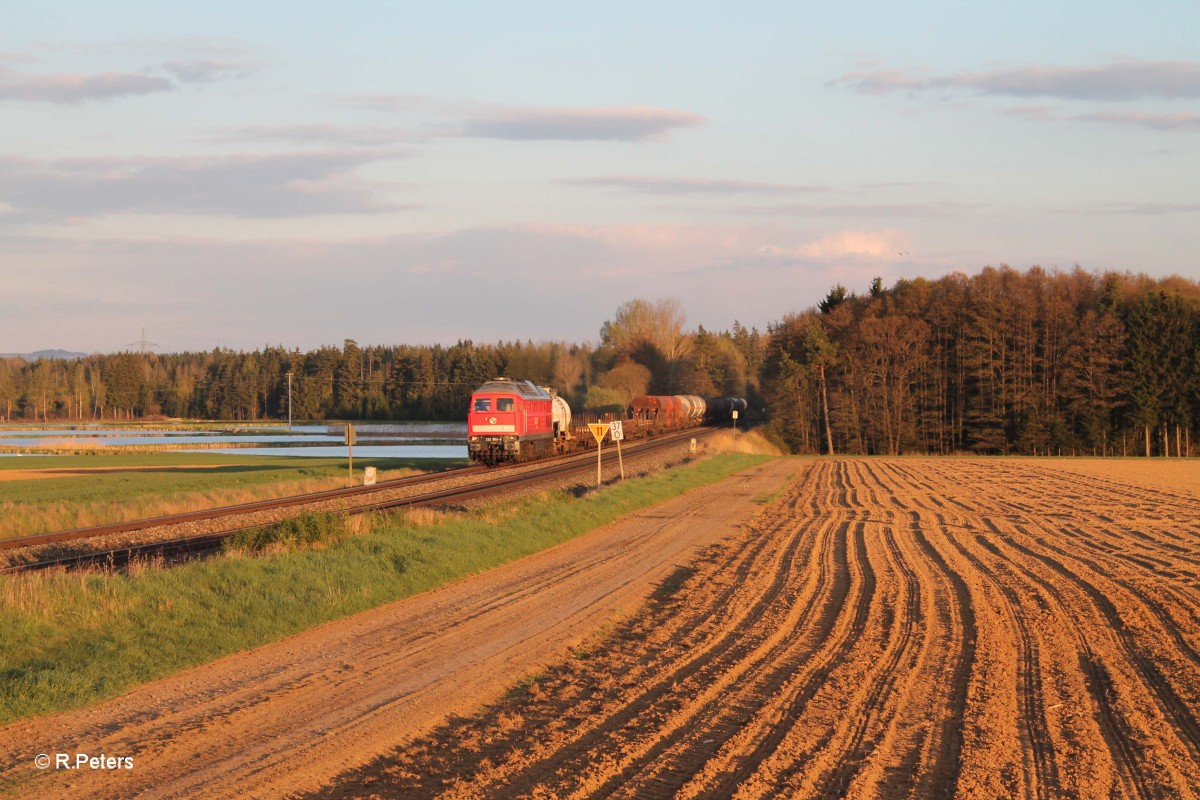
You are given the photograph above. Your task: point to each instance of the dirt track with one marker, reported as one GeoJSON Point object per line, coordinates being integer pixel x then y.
{"type": "Point", "coordinates": [905, 628]}
{"type": "Point", "coordinates": [288, 717]}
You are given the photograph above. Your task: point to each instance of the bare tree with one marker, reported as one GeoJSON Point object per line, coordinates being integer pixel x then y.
{"type": "Point", "coordinates": [652, 334]}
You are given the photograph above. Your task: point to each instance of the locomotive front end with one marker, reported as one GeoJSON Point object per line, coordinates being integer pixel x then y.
{"type": "Point", "coordinates": [508, 421]}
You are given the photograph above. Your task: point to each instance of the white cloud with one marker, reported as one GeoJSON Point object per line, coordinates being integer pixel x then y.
{"type": "Point", "coordinates": [1149, 208]}
{"type": "Point", "coordinates": [1123, 80]}
{"type": "Point", "coordinates": [318, 134]}
{"type": "Point", "coordinates": [648, 184]}
{"type": "Point", "coordinates": [889, 244]}
{"type": "Point", "coordinates": [72, 88]}
{"type": "Point", "coordinates": [1182, 121]}
{"type": "Point", "coordinates": [929, 209]}
{"type": "Point", "coordinates": [282, 185]}
{"type": "Point", "coordinates": [1034, 113]}
{"type": "Point", "coordinates": [626, 123]}
{"type": "Point", "coordinates": [475, 120]}
{"type": "Point", "coordinates": [207, 70]}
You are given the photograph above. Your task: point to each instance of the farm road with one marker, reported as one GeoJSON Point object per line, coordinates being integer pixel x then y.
{"type": "Point", "coordinates": [288, 717]}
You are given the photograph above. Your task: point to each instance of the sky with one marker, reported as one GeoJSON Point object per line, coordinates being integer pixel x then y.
{"type": "Point", "coordinates": [243, 174]}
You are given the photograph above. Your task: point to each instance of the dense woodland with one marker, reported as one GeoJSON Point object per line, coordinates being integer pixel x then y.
{"type": "Point", "coordinates": [1034, 362]}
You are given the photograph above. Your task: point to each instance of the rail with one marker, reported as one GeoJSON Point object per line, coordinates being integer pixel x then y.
{"type": "Point", "coordinates": [198, 543]}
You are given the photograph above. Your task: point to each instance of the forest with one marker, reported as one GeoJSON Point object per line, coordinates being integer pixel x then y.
{"type": "Point", "coordinates": [1001, 362]}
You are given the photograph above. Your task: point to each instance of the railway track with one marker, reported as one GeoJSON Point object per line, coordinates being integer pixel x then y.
{"type": "Point", "coordinates": [224, 511]}
{"type": "Point", "coordinates": [193, 544]}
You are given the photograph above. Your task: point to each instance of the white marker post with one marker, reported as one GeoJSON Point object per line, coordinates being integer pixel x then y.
{"type": "Point", "coordinates": [735, 419]}
{"type": "Point", "coordinates": [617, 431]}
{"type": "Point", "coordinates": [598, 431]}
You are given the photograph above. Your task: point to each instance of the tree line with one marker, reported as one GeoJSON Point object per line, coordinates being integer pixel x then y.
{"type": "Point", "coordinates": [1034, 362]}
{"type": "Point", "coordinates": [643, 349]}
{"type": "Point", "coordinates": [350, 382]}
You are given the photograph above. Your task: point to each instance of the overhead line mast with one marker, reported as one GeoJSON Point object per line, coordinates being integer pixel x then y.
{"type": "Point", "coordinates": [142, 344]}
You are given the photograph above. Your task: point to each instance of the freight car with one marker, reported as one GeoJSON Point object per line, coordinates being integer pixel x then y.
{"type": "Point", "coordinates": [510, 421]}
{"type": "Point", "coordinates": [721, 409]}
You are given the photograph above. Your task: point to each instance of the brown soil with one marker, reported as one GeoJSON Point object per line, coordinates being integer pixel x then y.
{"type": "Point", "coordinates": [288, 717]}
{"type": "Point", "coordinates": [890, 629]}
{"type": "Point", "coordinates": [1172, 474]}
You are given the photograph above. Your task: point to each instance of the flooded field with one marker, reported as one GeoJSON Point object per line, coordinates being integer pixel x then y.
{"type": "Point", "coordinates": [374, 440]}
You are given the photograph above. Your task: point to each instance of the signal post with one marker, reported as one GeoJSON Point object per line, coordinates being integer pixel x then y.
{"type": "Point", "coordinates": [598, 430]}
{"type": "Point", "coordinates": [617, 431]}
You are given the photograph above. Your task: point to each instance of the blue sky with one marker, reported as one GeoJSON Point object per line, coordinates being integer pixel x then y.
{"type": "Point", "coordinates": [240, 174]}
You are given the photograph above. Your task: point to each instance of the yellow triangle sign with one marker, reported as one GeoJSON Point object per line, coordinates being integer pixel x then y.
{"type": "Point", "coordinates": [598, 430]}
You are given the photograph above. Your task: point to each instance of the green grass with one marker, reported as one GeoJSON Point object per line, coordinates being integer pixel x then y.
{"type": "Point", "coordinates": [193, 481]}
{"type": "Point", "coordinates": [71, 639]}
{"type": "Point", "coordinates": [524, 687]}
{"type": "Point", "coordinates": [304, 530]}
{"type": "Point", "coordinates": [248, 464]}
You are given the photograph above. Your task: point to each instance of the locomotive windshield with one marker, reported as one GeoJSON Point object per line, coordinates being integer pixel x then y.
{"type": "Point", "coordinates": [504, 404]}
{"type": "Point", "coordinates": [483, 404]}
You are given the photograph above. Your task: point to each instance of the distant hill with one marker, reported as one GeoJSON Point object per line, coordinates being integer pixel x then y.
{"type": "Point", "coordinates": [57, 354]}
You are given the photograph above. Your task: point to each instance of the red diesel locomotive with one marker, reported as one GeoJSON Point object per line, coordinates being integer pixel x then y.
{"type": "Point", "coordinates": [515, 421]}
{"type": "Point", "coordinates": [511, 421]}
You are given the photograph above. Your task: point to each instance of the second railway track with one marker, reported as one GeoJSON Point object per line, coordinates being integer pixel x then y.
{"type": "Point", "coordinates": [29, 553]}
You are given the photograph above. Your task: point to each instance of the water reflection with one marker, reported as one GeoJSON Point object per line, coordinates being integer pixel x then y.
{"type": "Point", "coordinates": [340, 451]}
{"type": "Point", "coordinates": [393, 440]}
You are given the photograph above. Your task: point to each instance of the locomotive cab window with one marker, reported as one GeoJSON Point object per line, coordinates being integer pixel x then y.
{"type": "Point", "coordinates": [483, 404]}
{"type": "Point", "coordinates": [504, 404]}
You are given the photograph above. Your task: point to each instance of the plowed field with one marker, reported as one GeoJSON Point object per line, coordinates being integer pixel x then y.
{"type": "Point", "coordinates": [903, 628]}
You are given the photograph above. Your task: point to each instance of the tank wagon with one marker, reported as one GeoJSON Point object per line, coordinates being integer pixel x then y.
{"type": "Point", "coordinates": [722, 408]}
{"type": "Point", "coordinates": [510, 421]}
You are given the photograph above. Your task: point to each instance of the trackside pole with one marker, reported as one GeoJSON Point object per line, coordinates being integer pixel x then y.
{"type": "Point", "coordinates": [617, 431]}
{"type": "Point", "coordinates": [598, 430]}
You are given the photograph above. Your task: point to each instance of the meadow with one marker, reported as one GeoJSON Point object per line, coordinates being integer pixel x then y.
{"type": "Point", "coordinates": [74, 638]}
{"type": "Point", "coordinates": [54, 493]}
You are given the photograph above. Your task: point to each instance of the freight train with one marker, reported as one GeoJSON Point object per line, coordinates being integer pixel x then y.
{"type": "Point", "coordinates": [513, 420]}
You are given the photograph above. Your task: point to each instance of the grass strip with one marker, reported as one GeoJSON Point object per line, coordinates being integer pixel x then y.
{"type": "Point", "coordinates": [129, 460]}
{"type": "Point", "coordinates": [306, 529]}
{"type": "Point", "coordinates": [71, 639]}
{"type": "Point", "coordinates": [151, 486]}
